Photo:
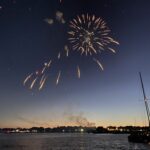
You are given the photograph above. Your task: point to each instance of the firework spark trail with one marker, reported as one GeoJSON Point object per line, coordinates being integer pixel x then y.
{"type": "Point", "coordinates": [90, 35]}
{"type": "Point", "coordinates": [27, 78]}
{"type": "Point", "coordinates": [42, 78]}
{"type": "Point", "coordinates": [42, 83]}
{"type": "Point", "coordinates": [78, 72]}
{"type": "Point", "coordinates": [33, 82]}
{"type": "Point", "coordinates": [111, 49]}
{"type": "Point", "coordinates": [46, 66]}
{"type": "Point", "coordinates": [38, 76]}
{"type": "Point", "coordinates": [59, 55]}
{"type": "Point", "coordinates": [49, 63]}
{"type": "Point", "coordinates": [44, 69]}
{"type": "Point", "coordinates": [58, 77]}
{"type": "Point", "coordinates": [99, 64]}
{"type": "Point", "coordinates": [66, 50]}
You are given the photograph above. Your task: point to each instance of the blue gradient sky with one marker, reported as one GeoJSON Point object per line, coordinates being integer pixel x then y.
{"type": "Point", "coordinates": [111, 97]}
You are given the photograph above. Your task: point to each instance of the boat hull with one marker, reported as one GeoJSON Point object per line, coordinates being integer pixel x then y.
{"type": "Point", "coordinates": [139, 138]}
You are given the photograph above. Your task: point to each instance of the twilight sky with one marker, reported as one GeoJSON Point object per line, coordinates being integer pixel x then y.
{"type": "Point", "coordinates": [109, 97]}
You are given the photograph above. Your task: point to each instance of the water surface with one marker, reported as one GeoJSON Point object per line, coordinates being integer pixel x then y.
{"type": "Point", "coordinates": [68, 142]}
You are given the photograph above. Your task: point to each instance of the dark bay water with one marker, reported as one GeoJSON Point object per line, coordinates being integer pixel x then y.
{"type": "Point", "coordinates": [68, 142]}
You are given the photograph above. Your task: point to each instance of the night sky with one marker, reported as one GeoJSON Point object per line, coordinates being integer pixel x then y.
{"type": "Point", "coordinates": [109, 97]}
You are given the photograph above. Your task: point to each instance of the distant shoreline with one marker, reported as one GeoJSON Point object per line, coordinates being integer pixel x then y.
{"type": "Point", "coordinates": [77, 129]}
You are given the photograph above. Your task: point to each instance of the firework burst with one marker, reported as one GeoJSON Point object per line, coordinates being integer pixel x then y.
{"type": "Point", "coordinates": [87, 35]}
{"type": "Point", "coordinates": [90, 35]}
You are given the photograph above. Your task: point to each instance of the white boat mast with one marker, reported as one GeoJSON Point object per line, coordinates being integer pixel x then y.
{"type": "Point", "coordinates": [145, 99]}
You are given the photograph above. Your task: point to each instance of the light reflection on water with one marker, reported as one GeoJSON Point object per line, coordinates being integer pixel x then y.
{"type": "Point", "coordinates": [68, 142]}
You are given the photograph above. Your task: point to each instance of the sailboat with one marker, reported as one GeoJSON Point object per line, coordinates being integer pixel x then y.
{"type": "Point", "coordinates": [142, 136]}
